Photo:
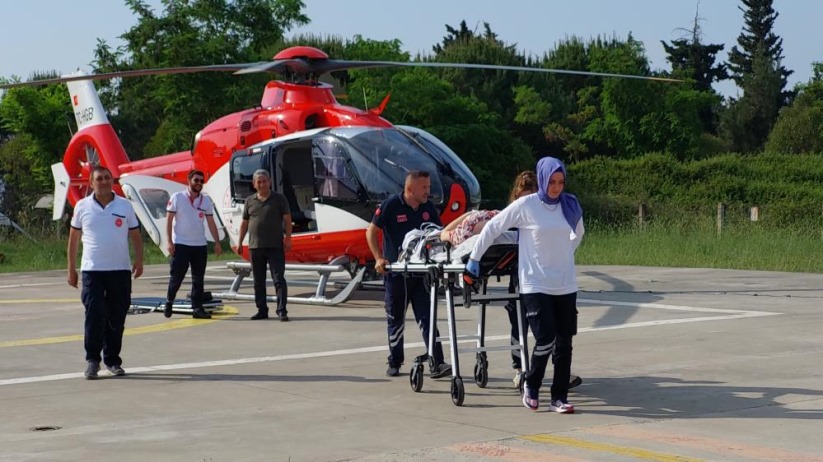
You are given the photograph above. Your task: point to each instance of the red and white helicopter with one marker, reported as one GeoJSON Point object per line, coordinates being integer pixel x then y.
{"type": "Point", "coordinates": [333, 163]}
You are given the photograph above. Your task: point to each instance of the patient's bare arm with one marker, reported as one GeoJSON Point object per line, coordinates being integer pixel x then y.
{"type": "Point", "coordinates": [446, 233]}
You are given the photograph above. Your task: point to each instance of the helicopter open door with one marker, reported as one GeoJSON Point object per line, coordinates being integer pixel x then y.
{"type": "Point", "coordinates": [294, 179]}
{"type": "Point", "coordinates": [149, 196]}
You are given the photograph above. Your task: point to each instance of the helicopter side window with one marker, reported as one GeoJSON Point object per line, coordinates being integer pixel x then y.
{"type": "Point", "coordinates": [332, 177]}
{"type": "Point", "coordinates": [156, 201]}
{"type": "Point", "coordinates": [242, 170]}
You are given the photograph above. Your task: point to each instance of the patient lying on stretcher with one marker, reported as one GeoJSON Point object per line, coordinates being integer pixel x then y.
{"type": "Point", "coordinates": [467, 225]}
{"type": "Point", "coordinates": [429, 244]}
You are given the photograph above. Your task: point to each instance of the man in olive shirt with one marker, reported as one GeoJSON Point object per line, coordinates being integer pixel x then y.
{"type": "Point", "coordinates": [265, 217]}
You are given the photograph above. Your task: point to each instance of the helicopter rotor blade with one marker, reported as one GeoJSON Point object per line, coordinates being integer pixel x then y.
{"type": "Point", "coordinates": [132, 73]}
{"type": "Point", "coordinates": [334, 65]}
{"type": "Point", "coordinates": [317, 67]}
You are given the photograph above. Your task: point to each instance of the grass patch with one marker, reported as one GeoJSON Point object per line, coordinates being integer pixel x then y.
{"type": "Point", "coordinates": [680, 243]}
{"type": "Point", "coordinates": [697, 245]}
{"type": "Point", "coordinates": [18, 254]}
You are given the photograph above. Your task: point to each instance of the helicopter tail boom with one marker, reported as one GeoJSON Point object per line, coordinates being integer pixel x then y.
{"type": "Point", "coordinates": [95, 143]}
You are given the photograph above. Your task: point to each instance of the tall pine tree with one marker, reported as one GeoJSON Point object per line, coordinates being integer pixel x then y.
{"type": "Point", "coordinates": [756, 66]}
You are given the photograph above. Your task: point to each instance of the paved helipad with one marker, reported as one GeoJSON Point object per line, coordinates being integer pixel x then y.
{"type": "Point", "coordinates": [678, 365]}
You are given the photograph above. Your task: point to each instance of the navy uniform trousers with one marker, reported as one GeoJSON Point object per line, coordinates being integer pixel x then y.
{"type": "Point", "coordinates": [107, 297]}
{"type": "Point", "coordinates": [401, 290]}
{"type": "Point", "coordinates": [553, 321]}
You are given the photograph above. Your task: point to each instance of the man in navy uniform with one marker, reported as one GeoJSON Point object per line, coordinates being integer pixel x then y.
{"type": "Point", "coordinates": [396, 216]}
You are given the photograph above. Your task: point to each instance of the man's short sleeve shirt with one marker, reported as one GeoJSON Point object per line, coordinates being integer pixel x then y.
{"type": "Point", "coordinates": [396, 218]}
{"type": "Point", "coordinates": [266, 220]}
{"type": "Point", "coordinates": [189, 217]}
{"type": "Point", "coordinates": [105, 233]}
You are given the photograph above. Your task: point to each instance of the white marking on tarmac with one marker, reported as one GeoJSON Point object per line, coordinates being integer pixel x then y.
{"type": "Point", "coordinates": [34, 284]}
{"type": "Point", "coordinates": [730, 314]}
{"type": "Point", "coordinates": [661, 306]}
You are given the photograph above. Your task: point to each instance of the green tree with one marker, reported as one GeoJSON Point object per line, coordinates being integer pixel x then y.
{"type": "Point", "coordinates": [756, 66]}
{"type": "Point", "coordinates": [612, 116]}
{"type": "Point", "coordinates": [156, 115]}
{"type": "Point", "coordinates": [40, 123]}
{"type": "Point", "coordinates": [799, 127]}
{"type": "Point", "coordinates": [495, 88]}
{"type": "Point", "coordinates": [747, 122]}
{"type": "Point", "coordinates": [695, 61]}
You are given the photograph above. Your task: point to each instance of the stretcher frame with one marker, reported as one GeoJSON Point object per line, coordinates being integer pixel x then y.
{"type": "Point", "coordinates": [499, 260]}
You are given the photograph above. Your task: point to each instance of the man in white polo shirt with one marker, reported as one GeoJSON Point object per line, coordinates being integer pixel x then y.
{"type": "Point", "coordinates": [106, 223]}
{"type": "Point", "coordinates": [186, 213]}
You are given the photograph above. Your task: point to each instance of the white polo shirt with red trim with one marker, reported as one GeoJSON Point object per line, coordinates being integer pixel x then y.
{"type": "Point", "coordinates": [105, 233]}
{"type": "Point", "coordinates": [189, 217]}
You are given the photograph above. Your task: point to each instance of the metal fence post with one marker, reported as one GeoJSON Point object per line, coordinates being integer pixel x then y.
{"type": "Point", "coordinates": [641, 215]}
{"type": "Point", "coordinates": [721, 216]}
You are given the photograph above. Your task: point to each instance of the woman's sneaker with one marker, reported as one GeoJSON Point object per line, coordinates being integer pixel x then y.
{"type": "Point", "coordinates": [561, 406]}
{"type": "Point", "coordinates": [531, 398]}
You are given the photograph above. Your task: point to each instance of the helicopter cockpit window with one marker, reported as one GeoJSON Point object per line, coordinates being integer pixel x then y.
{"type": "Point", "coordinates": [382, 158]}
{"type": "Point", "coordinates": [242, 170]}
{"type": "Point", "coordinates": [331, 175]}
{"type": "Point", "coordinates": [448, 157]}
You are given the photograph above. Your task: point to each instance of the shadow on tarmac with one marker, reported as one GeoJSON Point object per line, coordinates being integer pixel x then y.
{"type": "Point", "coordinates": [674, 398]}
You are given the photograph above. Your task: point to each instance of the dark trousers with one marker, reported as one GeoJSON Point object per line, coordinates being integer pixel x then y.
{"type": "Point", "coordinates": [106, 296]}
{"type": "Point", "coordinates": [399, 291]}
{"type": "Point", "coordinates": [276, 261]}
{"type": "Point", "coordinates": [553, 320]}
{"type": "Point", "coordinates": [185, 256]}
{"type": "Point", "coordinates": [511, 310]}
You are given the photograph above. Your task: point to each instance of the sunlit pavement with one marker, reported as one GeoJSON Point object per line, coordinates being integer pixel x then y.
{"type": "Point", "coordinates": [678, 364]}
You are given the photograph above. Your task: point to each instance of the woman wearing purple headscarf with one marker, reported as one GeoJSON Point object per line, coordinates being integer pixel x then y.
{"type": "Point", "coordinates": [551, 227]}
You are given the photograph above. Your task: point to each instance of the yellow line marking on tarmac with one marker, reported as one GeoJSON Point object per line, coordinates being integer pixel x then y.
{"type": "Point", "coordinates": [609, 448]}
{"type": "Point", "coordinates": [217, 315]}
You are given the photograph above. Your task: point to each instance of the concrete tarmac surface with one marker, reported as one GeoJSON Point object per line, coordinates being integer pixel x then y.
{"type": "Point", "coordinates": [677, 365]}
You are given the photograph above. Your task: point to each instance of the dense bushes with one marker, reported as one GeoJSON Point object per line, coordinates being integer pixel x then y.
{"type": "Point", "coordinates": [787, 187]}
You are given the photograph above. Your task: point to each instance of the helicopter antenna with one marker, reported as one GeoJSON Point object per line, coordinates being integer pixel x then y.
{"type": "Point", "coordinates": [365, 100]}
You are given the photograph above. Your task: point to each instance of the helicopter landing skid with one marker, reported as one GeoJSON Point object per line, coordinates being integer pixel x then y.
{"type": "Point", "coordinates": [243, 269]}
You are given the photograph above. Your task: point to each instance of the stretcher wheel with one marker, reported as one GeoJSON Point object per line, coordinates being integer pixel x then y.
{"type": "Point", "coordinates": [416, 378]}
{"type": "Point", "coordinates": [481, 375]}
{"type": "Point", "coordinates": [457, 391]}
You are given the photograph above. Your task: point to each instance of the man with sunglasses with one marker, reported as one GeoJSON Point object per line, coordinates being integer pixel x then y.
{"type": "Point", "coordinates": [186, 234]}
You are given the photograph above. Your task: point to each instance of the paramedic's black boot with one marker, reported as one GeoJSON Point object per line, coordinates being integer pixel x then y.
{"type": "Point", "coordinates": [440, 370]}
{"type": "Point", "coordinates": [261, 314]}
{"type": "Point", "coordinates": [393, 371]}
{"type": "Point", "coordinates": [167, 309]}
{"type": "Point", "coordinates": [200, 313]}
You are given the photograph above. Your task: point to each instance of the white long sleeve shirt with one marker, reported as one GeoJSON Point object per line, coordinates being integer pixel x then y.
{"type": "Point", "coordinates": [546, 245]}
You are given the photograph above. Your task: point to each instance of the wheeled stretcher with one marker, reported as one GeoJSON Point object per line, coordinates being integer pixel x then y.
{"type": "Point", "coordinates": [499, 260]}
